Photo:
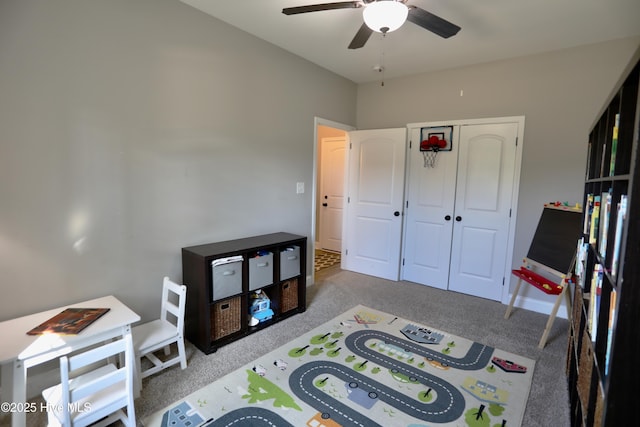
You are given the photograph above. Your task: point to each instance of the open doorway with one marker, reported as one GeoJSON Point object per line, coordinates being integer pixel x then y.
{"type": "Point", "coordinates": [331, 141]}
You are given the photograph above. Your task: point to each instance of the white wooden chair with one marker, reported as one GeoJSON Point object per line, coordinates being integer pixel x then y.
{"type": "Point", "coordinates": [161, 333]}
{"type": "Point", "coordinates": [95, 394]}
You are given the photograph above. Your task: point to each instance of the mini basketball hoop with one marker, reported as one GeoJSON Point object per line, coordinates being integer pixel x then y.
{"type": "Point", "coordinates": [431, 147]}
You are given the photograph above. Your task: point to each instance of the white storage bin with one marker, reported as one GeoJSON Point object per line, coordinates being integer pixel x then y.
{"type": "Point", "coordinates": [290, 262]}
{"type": "Point", "coordinates": [226, 276]}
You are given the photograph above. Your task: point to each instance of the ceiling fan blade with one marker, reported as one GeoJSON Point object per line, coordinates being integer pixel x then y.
{"type": "Point", "coordinates": [431, 22]}
{"type": "Point", "coordinates": [361, 37]}
{"type": "Point", "coordinates": [320, 7]}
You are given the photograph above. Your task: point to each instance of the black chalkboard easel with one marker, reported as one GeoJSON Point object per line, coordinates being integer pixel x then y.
{"type": "Point", "coordinates": [554, 243]}
{"type": "Point", "coordinates": [553, 249]}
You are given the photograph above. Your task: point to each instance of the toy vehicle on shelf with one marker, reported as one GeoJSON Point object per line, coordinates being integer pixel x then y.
{"type": "Point", "coordinates": [259, 308]}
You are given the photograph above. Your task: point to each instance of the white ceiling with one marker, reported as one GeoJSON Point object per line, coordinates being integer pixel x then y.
{"type": "Point", "coordinates": [491, 30]}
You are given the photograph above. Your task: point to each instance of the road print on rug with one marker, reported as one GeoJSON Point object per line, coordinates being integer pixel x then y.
{"type": "Point", "coordinates": [365, 368]}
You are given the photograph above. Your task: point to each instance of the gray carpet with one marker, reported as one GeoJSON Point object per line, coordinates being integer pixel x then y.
{"type": "Point", "coordinates": [336, 291]}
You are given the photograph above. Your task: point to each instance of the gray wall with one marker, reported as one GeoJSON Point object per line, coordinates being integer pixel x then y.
{"type": "Point", "coordinates": [560, 94]}
{"type": "Point", "coordinates": [130, 129]}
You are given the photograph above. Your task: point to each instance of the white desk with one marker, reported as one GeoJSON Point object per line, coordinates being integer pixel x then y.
{"type": "Point", "coordinates": [19, 351]}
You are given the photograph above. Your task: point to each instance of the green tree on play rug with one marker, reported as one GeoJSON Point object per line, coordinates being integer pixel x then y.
{"type": "Point", "coordinates": [261, 389]}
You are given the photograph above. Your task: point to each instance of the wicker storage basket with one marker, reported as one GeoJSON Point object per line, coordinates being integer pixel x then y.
{"type": "Point", "coordinates": [289, 295]}
{"type": "Point", "coordinates": [226, 317]}
{"type": "Point", "coordinates": [585, 365]}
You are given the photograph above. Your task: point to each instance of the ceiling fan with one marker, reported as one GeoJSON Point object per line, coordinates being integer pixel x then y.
{"type": "Point", "coordinates": [383, 16]}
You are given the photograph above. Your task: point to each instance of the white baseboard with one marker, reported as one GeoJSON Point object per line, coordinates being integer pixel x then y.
{"type": "Point", "coordinates": [538, 306]}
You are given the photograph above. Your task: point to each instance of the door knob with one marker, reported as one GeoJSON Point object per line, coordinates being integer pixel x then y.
{"type": "Point", "coordinates": [458, 218]}
{"type": "Point", "coordinates": [396, 213]}
{"type": "Point", "coordinates": [447, 218]}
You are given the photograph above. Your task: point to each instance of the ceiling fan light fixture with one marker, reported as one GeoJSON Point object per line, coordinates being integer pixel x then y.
{"type": "Point", "coordinates": [385, 16]}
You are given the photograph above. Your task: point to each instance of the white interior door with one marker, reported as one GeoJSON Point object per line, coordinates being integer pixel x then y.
{"type": "Point", "coordinates": [332, 174]}
{"type": "Point", "coordinates": [374, 202]}
{"type": "Point", "coordinates": [429, 214]}
{"type": "Point", "coordinates": [484, 192]}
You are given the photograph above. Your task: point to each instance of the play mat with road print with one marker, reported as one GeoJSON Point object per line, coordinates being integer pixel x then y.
{"type": "Point", "coordinates": [365, 368]}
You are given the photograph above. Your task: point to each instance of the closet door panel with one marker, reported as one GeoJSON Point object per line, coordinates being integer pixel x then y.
{"type": "Point", "coordinates": [484, 192]}
{"type": "Point", "coordinates": [430, 201]}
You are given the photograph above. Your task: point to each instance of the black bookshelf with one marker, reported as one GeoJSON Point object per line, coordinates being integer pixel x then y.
{"type": "Point", "coordinates": [604, 337]}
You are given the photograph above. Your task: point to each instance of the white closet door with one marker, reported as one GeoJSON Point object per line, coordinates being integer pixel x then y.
{"type": "Point", "coordinates": [429, 214]}
{"type": "Point", "coordinates": [374, 202]}
{"type": "Point", "coordinates": [484, 191]}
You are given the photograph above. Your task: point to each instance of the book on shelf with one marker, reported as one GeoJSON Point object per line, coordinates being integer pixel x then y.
{"type": "Point", "coordinates": [595, 220]}
{"type": "Point", "coordinates": [602, 159]}
{"type": "Point", "coordinates": [589, 153]}
{"type": "Point", "coordinates": [588, 210]}
{"type": "Point", "coordinates": [614, 146]}
{"type": "Point", "coordinates": [620, 220]}
{"type": "Point", "coordinates": [581, 261]}
{"type": "Point", "coordinates": [605, 211]}
{"type": "Point", "coordinates": [594, 301]}
{"type": "Point", "coordinates": [592, 292]}
{"type": "Point", "coordinates": [612, 318]}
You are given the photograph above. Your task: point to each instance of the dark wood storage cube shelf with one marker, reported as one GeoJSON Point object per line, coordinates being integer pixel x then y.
{"type": "Point", "coordinates": [604, 337]}
{"type": "Point", "coordinates": [211, 322]}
